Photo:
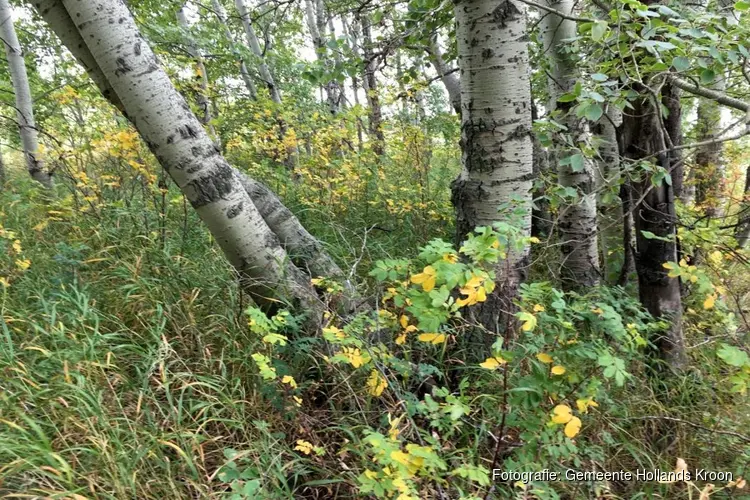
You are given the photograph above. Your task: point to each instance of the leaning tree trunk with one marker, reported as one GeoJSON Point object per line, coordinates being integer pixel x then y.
{"type": "Point", "coordinates": [643, 136]}
{"type": "Point", "coordinates": [495, 136]}
{"type": "Point", "coordinates": [577, 220]}
{"type": "Point", "coordinates": [294, 237]}
{"type": "Point", "coordinates": [202, 99]}
{"type": "Point", "coordinates": [24, 105]}
{"type": "Point", "coordinates": [183, 148]}
{"type": "Point", "coordinates": [221, 15]}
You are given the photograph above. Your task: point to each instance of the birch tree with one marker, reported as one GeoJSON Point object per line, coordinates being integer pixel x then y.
{"type": "Point", "coordinates": [577, 223]}
{"type": "Point", "coordinates": [183, 148]}
{"type": "Point", "coordinates": [316, 23]}
{"type": "Point", "coordinates": [448, 77]}
{"type": "Point", "coordinates": [495, 133]}
{"type": "Point", "coordinates": [24, 104]}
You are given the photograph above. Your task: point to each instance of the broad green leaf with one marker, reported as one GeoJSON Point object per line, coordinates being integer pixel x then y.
{"type": "Point", "coordinates": [594, 111]}
{"type": "Point", "coordinates": [681, 63]}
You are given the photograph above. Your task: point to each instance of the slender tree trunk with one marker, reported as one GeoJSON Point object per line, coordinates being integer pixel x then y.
{"type": "Point", "coordinates": [222, 17]}
{"type": "Point", "coordinates": [316, 25]}
{"type": "Point", "coordinates": [642, 136]}
{"type": "Point", "coordinates": [202, 99]}
{"type": "Point", "coordinates": [541, 218]}
{"type": "Point", "coordinates": [710, 168]}
{"type": "Point", "coordinates": [371, 87]}
{"type": "Point", "coordinates": [24, 105]}
{"type": "Point", "coordinates": [495, 136]}
{"type": "Point", "coordinates": [183, 148]}
{"type": "Point", "coordinates": [608, 175]}
{"type": "Point", "coordinates": [450, 79]}
{"type": "Point", "coordinates": [254, 44]}
{"type": "Point", "coordinates": [742, 232]}
{"type": "Point", "coordinates": [577, 220]}
{"type": "Point", "coordinates": [2, 173]}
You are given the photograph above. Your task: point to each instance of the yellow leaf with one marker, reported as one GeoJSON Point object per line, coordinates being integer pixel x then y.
{"type": "Point", "coordinates": [573, 427]}
{"type": "Point", "coordinates": [544, 358]}
{"type": "Point", "coordinates": [23, 264]}
{"type": "Point", "coordinates": [538, 308]}
{"type": "Point", "coordinates": [534, 239]}
{"type": "Point", "coordinates": [288, 379]}
{"type": "Point", "coordinates": [404, 321]}
{"type": "Point", "coordinates": [376, 384]}
{"type": "Point", "coordinates": [558, 370]}
{"type": "Point", "coordinates": [304, 446]}
{"type": "Point", "coordinates": [297, 400]}
{"type": "Point", "coordinates": [451, 258]}
{"type": "Point", "coordinates": [17, 246]}
{"type": "Point", "coordinates": [401, 339]}
{"type": "Point", "coordinates": [426, 278]}
{"type": "Point", "coordinates": [493, 363]}
{"type": "Point", "coordinates": [562, 414]}
{"type": "Point", "coordinates": [584, 404]}
{"type": "Point", "coordinates": [435, 338]}
{"type": "Point", "coordinates": [709, 302]}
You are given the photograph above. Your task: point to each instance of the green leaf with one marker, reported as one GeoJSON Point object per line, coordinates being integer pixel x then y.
{"type": "Point", "coordinates": [599, 77]}
{"type": "Point", "coordinates": [576, 162]}
{"type": "Point", "coordinates": [707, 76]}
{"type": "Point", "coordinates": [594, 112]}
{"type": "Point", "coordinates": [681, 63]}
{"type": "Point", "coordinates": [742, 5]}
{"type": "Point", "coordinates": [733, 356]}
{"type": "Point", "coordinates": [598, 30]}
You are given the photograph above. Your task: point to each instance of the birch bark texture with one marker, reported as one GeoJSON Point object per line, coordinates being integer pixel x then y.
{"type": "Point", "coordinates": [24, 104]}
{"type": "Point", "coordinates": [497, 160]}
{"type": "Point", "coordinates": [188, 155]}
{"type": "Point", "coordinates": [577, 224]}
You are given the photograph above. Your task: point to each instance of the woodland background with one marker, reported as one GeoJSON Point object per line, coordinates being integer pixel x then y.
{"type": "Point", "coordinates": [342, 248]}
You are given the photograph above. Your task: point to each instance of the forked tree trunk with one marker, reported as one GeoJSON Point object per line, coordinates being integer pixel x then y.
{"type": "Point", "coordinates": [183, 148]}
{"type": "Point", "coordinates": [642, 136]}
{"type": "Point", "coordinates": [577, 220]}
{"type": "Point", "coordinates": [495, 136]}
{"type": "Point", "coordinates": [221, 15]}
{"type": "Point", "coordinates": [24, 105]}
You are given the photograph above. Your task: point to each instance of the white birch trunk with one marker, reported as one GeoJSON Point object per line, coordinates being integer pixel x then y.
{"type": "Point", "coordinates": [254, 44]}
{"type": "Point", "coordinates": [577, 220]}
{"type": "Point", "coordinates": [183, 148]}
{"type": "Point", "coordinates": [24, 105]}
{"type": "Point", "coordinates": [495, 134]}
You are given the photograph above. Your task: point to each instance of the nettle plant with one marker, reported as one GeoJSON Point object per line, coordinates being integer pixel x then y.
{"type": "Point", "coordinates": [539, 388]}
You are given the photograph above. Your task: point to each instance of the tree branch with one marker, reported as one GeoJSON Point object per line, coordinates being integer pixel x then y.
{"type": "Point", "coordinates": [714, 95]}
{"type": "Point", "coordinates": [558, 13]}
